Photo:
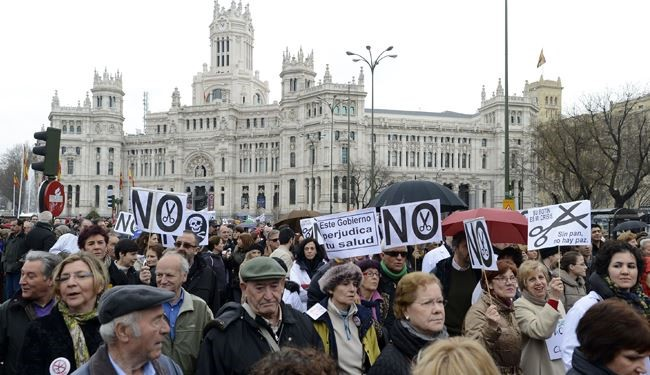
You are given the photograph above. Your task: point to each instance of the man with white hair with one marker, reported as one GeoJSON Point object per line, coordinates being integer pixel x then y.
{"type": "Point", "coordinates": [42, 236]}
{"type": "Point", "coordinates": [133, 329]}
{"type": "Point", "coordinates": [186, 313]}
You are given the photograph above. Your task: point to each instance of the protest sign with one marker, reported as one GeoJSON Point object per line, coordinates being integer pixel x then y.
{"type": "Point", "coordinates": [412, 223]}
{"type": "Point", "coordinates": [125, 223]}
{"type": "Point", "coordinates": [199, 223]}
{"type": "Point", "coordinates": [349, 234]}
{"type": "Point", "coordinates": [479, 245]}
{"type": "Point", "coordinates": [559, 225]}
{"type": "Point", "coordinates": [553, 343]}
{"type": "Point", "coordinates": [310, 229]}
{"type": "Point", "coordinates": [158, 211]}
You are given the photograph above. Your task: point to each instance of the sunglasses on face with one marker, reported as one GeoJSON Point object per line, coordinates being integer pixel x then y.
{"type": "Point", "coordinates": [184, 245]}
{"type": "Point", "coordinates": [274, 239]}
{"type": "Point", "coordinates": [396, 254]}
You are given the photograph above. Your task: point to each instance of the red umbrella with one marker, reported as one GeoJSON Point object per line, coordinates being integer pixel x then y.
{"type": "Point", "coordinates": [504, 226]}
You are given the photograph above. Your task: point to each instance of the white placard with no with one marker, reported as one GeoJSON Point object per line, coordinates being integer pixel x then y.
{"type": "Point", "coordinates": [559, 225]}
{"type": "Point", "coordinates": [125, 224]}
{"type": "Point", "coordinates": [479, 244]}
{"type": "Point", "coordinates": [158, 211]}
{"type": "Point", "coordinates": [349, 234]}
{"type": "Point", "coordinates": [412, 223]}
{"type": "Point", "coordinates": [553, 343]}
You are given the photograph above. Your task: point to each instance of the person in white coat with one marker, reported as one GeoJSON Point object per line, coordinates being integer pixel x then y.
{"type": "Point", "coordinates": [618, 268]}
{"type": "Point", "coordinates": [310, 257]}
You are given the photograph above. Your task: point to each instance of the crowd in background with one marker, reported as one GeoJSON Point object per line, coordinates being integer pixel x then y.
{"type": "Point", "coordinates": [256, 300]}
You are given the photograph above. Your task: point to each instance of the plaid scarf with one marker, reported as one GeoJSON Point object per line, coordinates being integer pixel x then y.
{"type": "Point", "coordinates": [73, 322]}
{"type": "Point", "coordinates": [635, 297]}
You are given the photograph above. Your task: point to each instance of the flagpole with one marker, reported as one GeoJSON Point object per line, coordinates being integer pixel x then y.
{"type": "Point", "coordinates": [20, 190]}
{"type": "Point", "coordinates": [14, 195]}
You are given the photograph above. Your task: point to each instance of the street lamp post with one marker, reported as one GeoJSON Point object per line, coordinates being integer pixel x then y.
{"type": "Point", "coordinates": [347, 183]}
{"type": "Point", "coordinates": [331, 106]}
{"type": "Point", "coordinates": [372, 64]}
{"type": "Point", "coordinates": [312, 157]}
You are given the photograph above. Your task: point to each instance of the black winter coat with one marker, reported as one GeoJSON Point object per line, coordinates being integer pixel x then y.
{"type": "Point", "coordinates": [202, 282]}
{"type": "Point", "coordinates": [15, 315]}
{"type": "Point", "coordinates": [118, 277]}
{"type": "Point", "coordinates": [41, 237]}
{"type": "Point", "coordinates": [581, 366]}
{"type": "Point", "coordinates": [397, 357]}
{"type": "Point", "coordinates": [15, 249]}
{"type": "Point", "coordinates": [48, 338]}
{"type": "Point", "coordinates": [232, 343]}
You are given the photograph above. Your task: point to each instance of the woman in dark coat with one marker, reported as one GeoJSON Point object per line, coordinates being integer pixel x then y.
{"type": "Point", "coordinates": [69, 336]}
{"type": "Point", "coordinates": [418, 298]}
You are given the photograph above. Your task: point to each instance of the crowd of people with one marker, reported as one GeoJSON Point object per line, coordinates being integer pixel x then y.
{"type": "Point", "coordinates": [80, 298]}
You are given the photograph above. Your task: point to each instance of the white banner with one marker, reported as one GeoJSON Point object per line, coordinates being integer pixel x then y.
{"type": "Point", "coordinates": [479, 244]}
{"type": "Point", "coordinates": [125, 223]}
{"type": "Point", "coordinates": [553, 343]}
{"type": "Point", "coordinates": [309, 229]}
{"type": "Point", "coordinates": [559, 225]}
{"type": "Point", "coordinates": [158, 211]}
{"type": "Point", "coordinates": [348, 234]}
{"type": "Point", "coordinates": [412, 223]}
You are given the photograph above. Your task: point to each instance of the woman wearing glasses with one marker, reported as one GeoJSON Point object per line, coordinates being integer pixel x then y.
{"type": "Point", "coordinates": [573, 271]}
{"type": "Point", "coordinates": [67, 337]}
{"type": "Point", "coordinates": [537, 312]}
{"type": "Point", "coordinates": [491, 320]}
{"type": "Point", "coordinates": [420, 321]}
{"type": "Point", "coordinates": [310, 258]}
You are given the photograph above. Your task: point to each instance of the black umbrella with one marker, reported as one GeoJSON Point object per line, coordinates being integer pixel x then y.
{"type": "Point", "coordinates": [418, 190]}
{"type": "Point", "coordinates": [630, 225]}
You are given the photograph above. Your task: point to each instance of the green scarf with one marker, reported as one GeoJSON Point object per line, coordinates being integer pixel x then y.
{"type": "Point", "coordinates": [394, 276]}
{"type": "Point", "coordinates": [73, 321]}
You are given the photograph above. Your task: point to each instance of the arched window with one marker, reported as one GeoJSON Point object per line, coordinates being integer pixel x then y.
{"type": "Point", "coordinates": [344, 110]}
{"type": "Point", "coordinates": [352, 110]}
{"type": "Point", "coordinates": [65, 129]}
{"type": "Point", "coordinates": [484, 161]}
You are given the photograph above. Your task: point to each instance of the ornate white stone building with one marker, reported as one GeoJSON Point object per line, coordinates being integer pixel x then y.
{"type": "Point", "coordinates": [238, 154]}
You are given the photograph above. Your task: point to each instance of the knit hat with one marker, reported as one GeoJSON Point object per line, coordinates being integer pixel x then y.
{"type": "Point", "coordinates": [337, 275]}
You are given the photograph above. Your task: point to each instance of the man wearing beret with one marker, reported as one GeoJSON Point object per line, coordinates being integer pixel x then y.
{"type": "Point", "coordinates": [242, 334]}
{"type": "Point", "coordinates": [133, 329]}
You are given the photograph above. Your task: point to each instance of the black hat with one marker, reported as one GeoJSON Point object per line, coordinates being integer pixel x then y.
{"type": "Point", "coordinates": [125, 299]}
{"type": "Point", "coordinates": [547, 252]}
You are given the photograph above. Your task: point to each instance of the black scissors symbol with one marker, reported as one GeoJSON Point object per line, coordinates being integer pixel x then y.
{"type": "Point", "coordinates": [425, 227]}
{"type": "Point", "coordinates": [169, 217]}
{"type": "Point", "coordinates": [567, 217]}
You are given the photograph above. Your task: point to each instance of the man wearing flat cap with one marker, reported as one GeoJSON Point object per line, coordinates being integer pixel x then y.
{"type": "Point", "coordinates": [242, 334]}
{"type": "Point", "coordinates": [133, 329]}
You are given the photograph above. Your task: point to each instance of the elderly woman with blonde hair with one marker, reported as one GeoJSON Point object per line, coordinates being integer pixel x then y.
{"type": "Point", "coordinates": [457, 355]}
{"type": "Point", "coordinates": [537, 313]}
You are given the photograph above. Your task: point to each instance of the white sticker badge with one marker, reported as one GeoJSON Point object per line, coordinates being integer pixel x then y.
{"type": "Point", "coordinates": [60, 366]}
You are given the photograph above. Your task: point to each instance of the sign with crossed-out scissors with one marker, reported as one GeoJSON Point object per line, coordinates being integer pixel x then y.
{"type": "Point", "coordinates": [565, 224]}
{"type": "Point", "coordinates": [479, 245]}
{"type": "Point", "coordinates": [411, 223]}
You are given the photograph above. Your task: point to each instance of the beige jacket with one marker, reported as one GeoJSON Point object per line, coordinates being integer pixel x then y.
{"type": "Point", "coordinates": [537, 323]}
{"type": "Point", "coordinates": [503, 343]}
{"type": "Point", "coordinates": [573, 289]}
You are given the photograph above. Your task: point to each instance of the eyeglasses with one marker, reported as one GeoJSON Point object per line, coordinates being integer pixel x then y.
{"type": "Point", "coordinates": [184, 245]}
{"type": "Point", "coordinates": [506, 280]}
{"type": "Point", "coordinates": [395, 254]}
{"type": "Point", "coordinates": [81, 275]}
{"type": "Point", "coordinates": [274, 239]}
{"type": "Point", "coordinates": [371, 274]}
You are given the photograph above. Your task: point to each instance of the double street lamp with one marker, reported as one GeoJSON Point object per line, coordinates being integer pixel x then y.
{"type": "Point", "coordinates": [372, 64]}
{"type": "Point", "coordinates": [332, 105]}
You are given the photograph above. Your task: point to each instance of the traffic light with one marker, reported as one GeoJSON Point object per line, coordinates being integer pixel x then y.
{"type": "Point", "coordinates": [50, 165]}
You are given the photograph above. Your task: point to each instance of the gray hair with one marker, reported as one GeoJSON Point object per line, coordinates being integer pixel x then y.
{"type": "Point", "coordinates": [107, 330]}
{"type": "Point", "coordinates": [185, 265]}
{"type": "Point", "coordinates": [49, 261]}
{"type": "Point", "coordinates": [45, 217]}
{"type": "Point", "coordinates": [643, 242]}
{"type": "Point", "coordinates": [196, 238]}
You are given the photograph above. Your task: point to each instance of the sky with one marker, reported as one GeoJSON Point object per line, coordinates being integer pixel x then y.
{"type": "Point", "coordinates": [447, 50]}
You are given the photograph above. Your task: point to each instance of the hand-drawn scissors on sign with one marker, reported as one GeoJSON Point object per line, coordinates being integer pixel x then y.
{"type": "Point", "coordinates": [168, 218]}
{"type": "Point", "coordinates": [567, 217]}
{"type": "Point", "coordinates": [425, 227]}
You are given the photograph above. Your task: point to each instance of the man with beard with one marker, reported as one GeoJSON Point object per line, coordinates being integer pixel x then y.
{"type": "Point", "coordinates": [242, 334]}
{"type": "Point", "coordinates": [458, 280]}
{"type": "Point", "coordinates": [35, 300]}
